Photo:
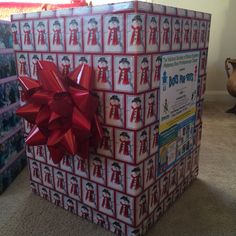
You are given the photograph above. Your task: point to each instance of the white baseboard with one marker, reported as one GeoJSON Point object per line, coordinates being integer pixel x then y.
{"type": "Point", "coordinates": [219, 96]}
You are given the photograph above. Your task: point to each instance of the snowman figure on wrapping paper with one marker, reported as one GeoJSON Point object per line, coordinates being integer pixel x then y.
{"type": "Point", "coordinates": [35, 171]}
{"type": "Point", "coordinates": [143, 207]}
{"type": "Point", "coordinates": [186, 32]}
{"type": "Point", "coordinates": [115, 109]}
{"type": "Point", "coordinates": [74, 187]}
{"type": "Point", "coordinates": [181, 172]}
{"type": "Point", "coordinates": [56, 199]}
{"type": "Point", "coordinates": [136, 38]}
{"type": "Point", "coordinates": [57, 42]}
{"type": "Point", "coordinates": [114, 34]}
{"type": "Point", "coordinates": [173, 179]}
{"type": "Point", "coordinates": [74, 35]}
{"type": "Point", "coordinates": [195, 33]}
{"type": "Point", "coordinates": [151, 103]}
{"type": "Point", "coordinates": [125, 145]}
{"type": "Point", "coordinates": [165, 41]}
{"type": "Point", "coordinates": [124, 78]}
{"type": "Point", "coordinates": [47, 176]}
{"type": "Point", "coordinates": [85, 212]}
{"type": "Point", "coordinates": [28, 127]}
{"type": "Point", "coordinates": [29, 150]}
{"type": "Point", "coordinates": [93, 39]}
{"type": "Point", "coordinates": [44, 193]}
{"type": "Point", "coordinates": [154, 197]}
{"type": "Point", "coordinates": [15, 37]}
{"type": "Point", "coordinates": [39, 152]}
{"type": "Point", "coordinates": [97, 169]}
{"type": "Point", "coordinates": [125, 208]}
{"type": "Point", "coordinates": [168, 202]}
{"type": "Point", "coordinates": [106, 203]}
{"type": "Point", "coordinates": [65, 65]}
{"type": "Point", "coordinates": [117, 229]}
{"type": "Point", "coordinates": [158, 212]}
{"type": "Point", "coordinates": [153, 33]}
{"type": "Point", "coordinates": [150, 171]}
{"type": "Point", "coordinates": [90, 194]}
{"type": "Point", "coordinates": [147, 224]}
{"type": "Point", "coordinates": [203, 33]}
{"type": "Point", "coordinates": [177, 33]}
{"type": "Point", "coordinates": [60, 182]}
{"type": "Point", "coordinates": [137, 31]}
{"type": "Point", "coordinates": [157, 70]}
{"type": "Point", "coordinates": [136, 111]}
{"type": "Point", "coordinates": [116, 174]}
{"type": "Point", "coordinates": [164, 187]}
{"type": "Point", "coordinates": [155, 137]}
{"type": "Point", "coordinates": [143, 144]}
{"type": "Point", "coordinates": [70, 206]}
{"type": "Point", "coordinates": [27, 36]}
{"type": "Point", "coordinates": [67, 162]}
{"type": "Point", "coordinates": [22, 65]}
{"type": "Point", "coordinates": [144, 73]}
{"type": "Point", "coordinates": [42, 37]}
{"type": "Point", "coordinates": [188, 165]}
{"type": "Point", "coordinates": [105, 144]}
{"type": "Point", "coordinates": [100, 220]}
{"type": "Point", "coordinates": [103, 73]}
{"type": "Point", "coordinates": [176, 193]}
{"type": "Point", "coordinates": [35, 59]}
{"type": "Point", "coordinates": [81, 166]}
{"type": "Point", "coordinates": [135, 179]}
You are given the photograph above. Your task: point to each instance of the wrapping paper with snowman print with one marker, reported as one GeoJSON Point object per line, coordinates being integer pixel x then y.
{"type": "Point", "coordinates": [150, 76]}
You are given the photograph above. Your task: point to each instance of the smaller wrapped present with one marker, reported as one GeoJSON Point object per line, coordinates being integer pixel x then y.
{"type": "Point", "coordinates": [12, 156]}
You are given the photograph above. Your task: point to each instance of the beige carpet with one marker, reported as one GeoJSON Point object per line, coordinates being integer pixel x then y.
{"type": "Point", "coordinates": [208, 207]}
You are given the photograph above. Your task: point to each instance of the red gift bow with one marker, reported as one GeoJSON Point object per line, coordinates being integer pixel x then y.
{"type": "Point", "coordinates": [63, 110]}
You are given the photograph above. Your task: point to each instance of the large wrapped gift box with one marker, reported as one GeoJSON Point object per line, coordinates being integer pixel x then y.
{"type": "Point", "coordinates": [150, 64]}
{"type": "Point", "coordinates": [12, 157]}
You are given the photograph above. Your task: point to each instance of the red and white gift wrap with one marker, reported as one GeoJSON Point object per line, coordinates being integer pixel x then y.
{"type": "Point", "coordinates": [123, 186]}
